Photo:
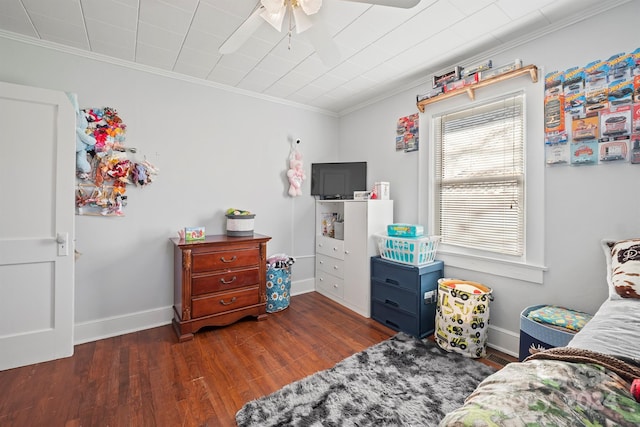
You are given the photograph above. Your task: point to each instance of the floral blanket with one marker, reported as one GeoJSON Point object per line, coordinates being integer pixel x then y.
{"type": "Point", "coordinates": [564, 387]}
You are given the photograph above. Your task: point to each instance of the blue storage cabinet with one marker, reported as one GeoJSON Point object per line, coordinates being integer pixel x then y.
{"type": "Point", "coordinates": [536, 336]}
{"type": "Point", "coordinates": [404, 297]}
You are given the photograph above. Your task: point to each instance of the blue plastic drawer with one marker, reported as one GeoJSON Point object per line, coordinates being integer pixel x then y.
{"type": "Point", "coordinates": [394, 297]}
{"type": "Point", "coordinates": [394, 318]}
{"type": "Point", "coordinates": [394, 274]}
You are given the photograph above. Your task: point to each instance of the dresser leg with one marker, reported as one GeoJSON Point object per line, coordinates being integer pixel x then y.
{"type": "Point", "coordinates": [182, 337]}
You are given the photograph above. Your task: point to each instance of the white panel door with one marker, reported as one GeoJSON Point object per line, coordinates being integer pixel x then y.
{"type": "Point", "coordinates": [37, 177]}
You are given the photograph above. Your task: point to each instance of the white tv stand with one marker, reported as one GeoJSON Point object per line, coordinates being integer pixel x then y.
{"type": "Point", "coordinates": [343, 266]}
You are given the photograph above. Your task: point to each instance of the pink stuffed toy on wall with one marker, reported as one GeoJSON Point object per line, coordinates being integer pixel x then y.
{"type": "Point", "coordinates": [295, 173]}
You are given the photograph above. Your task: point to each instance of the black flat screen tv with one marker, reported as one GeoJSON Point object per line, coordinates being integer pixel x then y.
{"type": "Point", "coordinates": [338, 180]}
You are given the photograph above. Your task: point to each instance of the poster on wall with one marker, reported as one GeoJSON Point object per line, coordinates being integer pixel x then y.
{"type": "Point", "coordinates": [592, 113]}
{"type": "Point", "coordinates": [407, 133]}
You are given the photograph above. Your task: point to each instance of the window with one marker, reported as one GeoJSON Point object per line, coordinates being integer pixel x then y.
{"type": "Point", "coordinates": [479, 177]}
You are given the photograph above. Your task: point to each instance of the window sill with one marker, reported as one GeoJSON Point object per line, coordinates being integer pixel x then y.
{"type": "Point", "coordinates": [504, 268]}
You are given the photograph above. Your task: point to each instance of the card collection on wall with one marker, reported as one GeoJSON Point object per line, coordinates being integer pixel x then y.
{"type": "Point", "coordinates": [592, 113]}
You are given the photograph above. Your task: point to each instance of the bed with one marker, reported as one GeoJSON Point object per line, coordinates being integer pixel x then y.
{"type": "Point", "coordinates": [586, 383]}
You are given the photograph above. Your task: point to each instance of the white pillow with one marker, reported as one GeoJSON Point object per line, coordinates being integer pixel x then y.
{"type": "Point", "coordinates": [623, 267]}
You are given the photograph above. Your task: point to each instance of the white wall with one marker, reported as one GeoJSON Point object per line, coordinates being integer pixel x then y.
{"type": "Point", "coordinates": [215, 149]}
{"type": "Point", "coordinates": [218, 149]}
{"type": "Point", "coordinates": [581, 204]}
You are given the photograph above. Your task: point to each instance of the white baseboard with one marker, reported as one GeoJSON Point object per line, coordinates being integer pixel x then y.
{"type": "Point", "coordinates": [504, 340]}
{"type": "Point", "coordinates": [98, 329]}
{"type": "Point", "coordinates": [303, 286]}
{"type": "Point", "coordinates": [500, 339]}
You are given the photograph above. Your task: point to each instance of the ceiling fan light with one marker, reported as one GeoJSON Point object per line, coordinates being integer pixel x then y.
{"type": "Point", "coordinates": [310, 6]}
{"type": "Point", "coordinates": [274, 19]}
{"type": "Point", "coordinates": [303, 22]}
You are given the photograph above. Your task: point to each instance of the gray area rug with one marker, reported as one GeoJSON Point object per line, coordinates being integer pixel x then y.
{"type": "Point", "coordinates": [402, 381]}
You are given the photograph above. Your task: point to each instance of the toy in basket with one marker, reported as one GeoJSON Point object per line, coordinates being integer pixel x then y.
{"type": "Point", "coordinates": [408, 250]}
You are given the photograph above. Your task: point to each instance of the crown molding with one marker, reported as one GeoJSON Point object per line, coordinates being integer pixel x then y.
{"type": "Point", "coordinates": [428, 73]}
{"type": "Point", "coordinates": [157, 71]}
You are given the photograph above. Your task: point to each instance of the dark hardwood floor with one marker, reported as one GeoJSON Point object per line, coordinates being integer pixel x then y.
{"type": "Point", "coordinates": [147, 378]}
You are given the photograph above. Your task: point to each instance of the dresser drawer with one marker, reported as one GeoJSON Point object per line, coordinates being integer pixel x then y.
{"type": "Point", "coordinates": [405, 277]}
{"type": "Point", "coordinates": [211, 261]}
{"type": "Point", "coordinates": [329, 284]}
{"type": "Point", "coordinates": [331, 247]}
{"type": "Point", "coordinates": [395, 297]}
{"type": "Point", "coordinates": [224, 301]}
{"type": "Point", "coordinates": [330, 265]}
{"type": "Point", "coordinates": [395, 319]}
{"type": "Point", "coordinates": [224, 281]}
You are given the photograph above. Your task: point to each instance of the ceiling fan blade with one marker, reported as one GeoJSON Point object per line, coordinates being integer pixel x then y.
{"type": "Point", "coordinates": [273, 6]}
{"type": "Point", "coordinates": [323, 44]}
{"type": "Point", "coordinates": [275, 19]}
{"type": "Point", "coordinates": [242, 34]}
{"type": "Point", "coordinates": [303, 23]}
{"type": "Point", "coordinates": [310, 6]}
{"type": "Point", "coordinates": [404, 4]}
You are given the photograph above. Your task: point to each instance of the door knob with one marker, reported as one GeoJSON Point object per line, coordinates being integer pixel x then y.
{"type": "Point", "coordinates": [63, 247]}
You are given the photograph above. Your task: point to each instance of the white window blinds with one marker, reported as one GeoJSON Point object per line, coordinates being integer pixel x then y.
{"type": "Point", "coordinates": [480, 176]}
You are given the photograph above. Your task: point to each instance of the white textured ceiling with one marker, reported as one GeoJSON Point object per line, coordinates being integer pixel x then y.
{"type": "Point", "coordinates": [381, 48]}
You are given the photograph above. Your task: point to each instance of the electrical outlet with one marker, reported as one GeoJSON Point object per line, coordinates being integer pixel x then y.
{"type": "Point", "coordinates": [430, 297]}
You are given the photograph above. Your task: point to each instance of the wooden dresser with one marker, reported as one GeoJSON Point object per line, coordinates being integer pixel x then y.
{"type": "Point", "coordinates": [218, 281]}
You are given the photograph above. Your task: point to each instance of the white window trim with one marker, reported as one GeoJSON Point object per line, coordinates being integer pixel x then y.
{"type": "Point", "coordinates": [529, 267]}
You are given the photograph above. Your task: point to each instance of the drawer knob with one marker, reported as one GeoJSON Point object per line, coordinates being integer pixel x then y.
{"type": "Point", "coordinates": [335, 249]}
{"type": "Point", "coordinates": [335, 285]}
{"type": "Point", "coordinates": [233, 258]}
{"type": "Point", "coordinates": [223, 302]}
{"type": "Point", "coordinates": [335, 267]}
{"type": "Point", "coordinates": [228, 282]}
{"type": "Point", "coordinates": [321, 262]}
{"type": "Point", "coordinates": [391, 303]}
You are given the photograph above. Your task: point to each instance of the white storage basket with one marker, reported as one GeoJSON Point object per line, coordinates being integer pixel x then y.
{"type": "Point", "coordinates": [408, 250]}
{"type": "Point", "coordinates": [240, 225]}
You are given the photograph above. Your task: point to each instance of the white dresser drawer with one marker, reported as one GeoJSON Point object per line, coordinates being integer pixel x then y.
{"type": "Point", "coordinates": [331, 247]}
{"type": "Point", "coordinates": [329, 284]}
{"type": "Point", "coordinates": [333, 266]}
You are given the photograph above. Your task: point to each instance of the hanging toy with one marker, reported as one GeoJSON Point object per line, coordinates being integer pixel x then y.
{"type": "Point", "coordinates": [295, 173]}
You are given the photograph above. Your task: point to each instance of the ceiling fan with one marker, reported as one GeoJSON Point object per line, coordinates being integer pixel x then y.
{"type": "Point", "coordinates": [299, 13]}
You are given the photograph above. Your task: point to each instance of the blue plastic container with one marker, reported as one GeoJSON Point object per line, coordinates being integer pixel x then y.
{"type": "Point", "coordinates": [278, 289]}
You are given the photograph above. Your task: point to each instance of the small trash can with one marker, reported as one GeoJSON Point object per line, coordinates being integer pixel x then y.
{"type": "Point", "coordinates": [462, 317]}
{"type": "Point", "coordinates": [278, 282]}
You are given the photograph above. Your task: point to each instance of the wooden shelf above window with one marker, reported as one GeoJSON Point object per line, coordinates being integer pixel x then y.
{"type": "Point", "coordinates": [532, 70]}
